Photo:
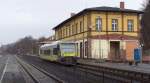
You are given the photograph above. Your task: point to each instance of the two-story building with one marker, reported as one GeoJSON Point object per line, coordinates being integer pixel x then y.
{"type": "Point", "coordinates": [102, 32]}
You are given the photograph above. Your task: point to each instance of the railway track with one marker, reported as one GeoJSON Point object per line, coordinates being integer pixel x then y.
{"type": "Point", "coordinates": [69, 74]}
{"type": "Point", "coordinates": [122, 76]}
{"type": "Point", "coordinates": [83, 73]}
{"type": "Point", "coordinates": [37, 74]}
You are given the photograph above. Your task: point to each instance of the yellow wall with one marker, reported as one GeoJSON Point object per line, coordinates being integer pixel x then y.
{"type": "Point", "coordinates": [89, 20]}
{"type": "Point", "coordinates": [131, 16]}
{"type": "Point", "coordinates": [73, 28]}
{"type": "Point", "coordinates": [114, 16]}
{"type": "Point", "coordinates": [67, 32]}
{"type": "Point", "coordinates": [122, 22]}
{"type": "Point", "coordinates": [94, 15]}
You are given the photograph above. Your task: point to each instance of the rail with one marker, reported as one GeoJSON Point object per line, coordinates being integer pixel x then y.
{"type": "Point", "coordinates": [39, 69]}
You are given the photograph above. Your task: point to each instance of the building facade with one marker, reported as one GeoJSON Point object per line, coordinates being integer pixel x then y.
{"type": "Point", "coordinates": [102, 32]}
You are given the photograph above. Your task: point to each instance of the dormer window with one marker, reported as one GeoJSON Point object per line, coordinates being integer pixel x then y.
{"type": "Point", "coordinates": [114, 24]}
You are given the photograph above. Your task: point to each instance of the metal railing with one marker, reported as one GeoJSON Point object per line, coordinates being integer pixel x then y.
{"type": "Point", "coordinates": [115, 75]}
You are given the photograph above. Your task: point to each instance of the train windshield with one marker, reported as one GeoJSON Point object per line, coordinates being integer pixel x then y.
{"type": "Point", "coordinates": [69, 47]}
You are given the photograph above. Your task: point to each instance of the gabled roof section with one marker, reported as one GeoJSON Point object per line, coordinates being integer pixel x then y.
{"type": "Point", "coordinates": [100, 9]}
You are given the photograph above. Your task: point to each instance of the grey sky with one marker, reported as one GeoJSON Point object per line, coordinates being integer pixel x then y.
{"type": "Point", "coordinates": [19, 18]}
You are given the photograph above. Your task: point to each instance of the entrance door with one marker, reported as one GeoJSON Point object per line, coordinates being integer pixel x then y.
{"type": "Point", "coordinates": [115, 50]}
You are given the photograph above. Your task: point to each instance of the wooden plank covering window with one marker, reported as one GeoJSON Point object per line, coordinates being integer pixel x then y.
{"type": "Point", "coordinates": [130, 46]}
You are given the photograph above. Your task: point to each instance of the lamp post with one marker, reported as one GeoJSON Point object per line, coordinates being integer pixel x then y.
{"type": "Point", "coordinates": [89, 41]}
{"type": "Point", "coordinates": [141, 47]}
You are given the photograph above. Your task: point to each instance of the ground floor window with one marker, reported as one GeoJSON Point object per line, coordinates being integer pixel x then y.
{"type": "Point", "coordinates": [81, 49]}
{"type": "Point", "coordinates": [86, 48]}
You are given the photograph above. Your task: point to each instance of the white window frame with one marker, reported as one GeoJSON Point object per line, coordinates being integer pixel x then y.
{"type": "Point", "coordinates": [81, 27]}
{"type": "Point", "coordinates": [114, 24]}
{"type": "Point", "coordinates": [98, 23]}
{"type": "Point", "coordinates": [130, 25]}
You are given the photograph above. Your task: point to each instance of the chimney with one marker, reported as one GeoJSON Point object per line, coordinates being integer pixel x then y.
{"type": "Point", "coordinates": [72, 14]}
{"type": "Point", "coordinates": [122, 6]}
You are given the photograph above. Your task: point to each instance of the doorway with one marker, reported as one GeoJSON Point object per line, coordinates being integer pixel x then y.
{"type": "Point", "coordinates": [115, 50]}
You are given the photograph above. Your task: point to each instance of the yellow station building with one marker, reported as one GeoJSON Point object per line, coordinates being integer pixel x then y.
{"type": "Point", "coordinates": [102, 32]}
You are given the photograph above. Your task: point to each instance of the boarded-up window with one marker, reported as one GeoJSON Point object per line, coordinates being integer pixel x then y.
{"type": "Point", "coordinates": [130, 46]}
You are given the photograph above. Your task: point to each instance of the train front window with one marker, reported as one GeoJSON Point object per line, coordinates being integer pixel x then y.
{"type": "Point", "coordinates": [68, 47]}
{"type": "Point", "coordinates": [68, 50]}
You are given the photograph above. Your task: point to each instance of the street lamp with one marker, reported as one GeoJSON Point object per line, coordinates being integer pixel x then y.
{"type": "Point", "coordinates": [141, 47]}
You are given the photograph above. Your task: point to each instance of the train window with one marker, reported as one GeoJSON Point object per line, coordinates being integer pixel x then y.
{"type": "Point", "coordinates": [41, 52]}
{"type": "Point", "coordinates": [55, 51]}
{"type": "Point", "coordinates": [47, 52]}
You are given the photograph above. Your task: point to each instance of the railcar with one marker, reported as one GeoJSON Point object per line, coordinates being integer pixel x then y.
{"type": "Point", "coordinates": [61, 52]}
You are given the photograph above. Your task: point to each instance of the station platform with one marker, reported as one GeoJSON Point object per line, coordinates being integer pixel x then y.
{"type": "Point", "coordinates": [12, 72]}
{"type": "Point", "coordinates": [141, 67]}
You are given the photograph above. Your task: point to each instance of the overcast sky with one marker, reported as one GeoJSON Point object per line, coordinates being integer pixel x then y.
{"type": "Point", "coordinates": [20, 18]}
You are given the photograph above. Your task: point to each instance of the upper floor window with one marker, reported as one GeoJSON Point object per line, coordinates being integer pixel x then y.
{"type": "Point", "coordinates": [76, 28]}
{"type": "Point", "coordinates": [130, 25]}
{"type": "Point", "coordinates": [81, 28]}
{"type": "Point", "coordinates": [69, 30]}
{"type": "Point", "coordinates": [66, 31]}
{"type": "Point", "coordinates": [61, 33]}
{"type": "Point", "coordinates": [114, 24]}
{"type": "Point", "coordinates": [72, 29]}
{"type": "Point", "coordinates": [98, 24]}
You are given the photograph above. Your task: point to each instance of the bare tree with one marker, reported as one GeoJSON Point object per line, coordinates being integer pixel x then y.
{"type": "Point", "coordinates": [144, 4]}
{"type": "Point", "coordinates": [27, 45]}
{"type": "Point", "coordinates": [145, 30]}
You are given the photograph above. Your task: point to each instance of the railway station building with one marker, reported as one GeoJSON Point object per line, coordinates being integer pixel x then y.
{"type": "Point", "coordinates": [110, 33]}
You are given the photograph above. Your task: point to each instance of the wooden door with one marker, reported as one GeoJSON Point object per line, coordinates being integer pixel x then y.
{"type": "Point", "coordinates": [115, 50]}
